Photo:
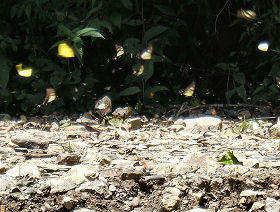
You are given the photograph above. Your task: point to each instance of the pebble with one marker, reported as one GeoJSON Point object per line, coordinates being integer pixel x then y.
{"type": "Point", "coordinates": [171, 198]}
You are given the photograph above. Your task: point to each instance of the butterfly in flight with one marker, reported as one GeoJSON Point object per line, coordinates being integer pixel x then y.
{"type": "Point", "coordinates": [189, 90]}
{"type": "Point", "coordinates": [50, 96]}
{"type": "Point", "coordinates": [119, 51]}
{"type": "Point", "coordinates": [146, 54]}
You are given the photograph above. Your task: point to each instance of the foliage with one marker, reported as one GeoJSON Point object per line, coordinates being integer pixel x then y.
{"type": "Point", "coordinates": [229, 159]}
{"type": "Point", "coordinates": [202, 41]}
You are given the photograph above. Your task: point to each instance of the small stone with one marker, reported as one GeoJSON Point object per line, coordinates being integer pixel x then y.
{"type": "Point", "coordinates": [272, 205]}
{"type": "Point", "coordinates": [275, 130]}
{"type": "Point", "coordinates": [3, 168]}
{"type": "Point", "coordinates": [55, 149]}
{"type": "Point", "coordinates": [176, 127]}
{"type": "Point", "coordinates": [132, 173]}
{"type": "Point", "coordinates": [62, 185]}
{"type": "Point", "coordinates": [68, 202]}
{"type": "Point", "coordinates": [122, 112]}
{"type": "Point", "coordinates": [105, 161]}
{"type": "Point", "coordinates": [97, 186]}
{"type": "Point", "coordinates": [202, 123]}
{"type": "Point", "coordinates": [46, 207]}
{"type": "Point", "coordinates": [244, 115]}
{"type": "Point", "coordinates": [112, 188]}
{"type": "Point", "coordinates": [171, 199]}
{"type": "Point", "coordinates": [248, 193]}
{"type": "Point", "coordinates": [133, 123]}
{"type": "Point", "coordinates": [200, 210]}
{"type": "Point", "coordinates": [54, 126]}
{"type": "Point", "coordinates": [135, 201]}
{"type": "Point", "coordinates": [251, 163]}
{"type": "Point", "coordinates": [29, 142]}
{"type": "Point", "coordinates": [197, 196]}
{"type": "Point", "coordinates": [68, 158]}
{"type": "Point", "coordinates": [83, 210]}
{"type": "Point", "coordinates": [77, 175]}
{"type": "Point", "coordinates": [257, 206]}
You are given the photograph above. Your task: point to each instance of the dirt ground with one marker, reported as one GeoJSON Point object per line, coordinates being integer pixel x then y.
{"type": "Point", "coordinates": [172, 165]}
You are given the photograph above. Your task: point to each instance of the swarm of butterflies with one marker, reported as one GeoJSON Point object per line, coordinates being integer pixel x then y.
{"type": "Point", "coordinates": [66, 51]}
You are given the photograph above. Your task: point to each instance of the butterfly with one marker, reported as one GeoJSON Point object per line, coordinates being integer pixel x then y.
{"type": "Point", "coordinates": [64, 50]}
{"type": "Point", "coordinates": [119, 51]}
{"type": "Point", "coordinates": [263, 46]}
{"type": "Point", "coordinates": [189, 90]}
{"type": "Point", "coordinates": [50, 96]}
{"type": "Point", "coordinates": [146, 54]}
{"type": "Point", "coordinates": [24, 72]}
{"type": "Point", "coordinates": [278, 81]}
{"type": "Point", "coordinates": [138, 70]}
{"type": "Point", "coordinates": [249, 15]}
{"type": "Point", "coordinates": [103, 106]}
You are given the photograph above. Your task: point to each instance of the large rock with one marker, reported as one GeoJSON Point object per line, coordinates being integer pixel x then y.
{"type": "Point", "coordinates": [24, 169]}
{"type": "Point", "coordinates": [75, 176]}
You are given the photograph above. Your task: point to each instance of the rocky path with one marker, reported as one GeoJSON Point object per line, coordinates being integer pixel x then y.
{"type": "Point", "coordinates": [161, 166]}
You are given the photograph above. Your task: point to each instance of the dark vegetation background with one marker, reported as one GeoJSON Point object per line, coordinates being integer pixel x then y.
{"type": "Point", "coordinates": [195, 40]}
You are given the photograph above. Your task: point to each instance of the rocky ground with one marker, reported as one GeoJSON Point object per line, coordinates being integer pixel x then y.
{"type": "Point", "coordinates": [173, 165]}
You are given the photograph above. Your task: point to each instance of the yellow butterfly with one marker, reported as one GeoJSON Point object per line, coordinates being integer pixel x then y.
{"type": "Point", "coordinates": [64, 50]}
{"type": "Point", "coordinates": [119, 51]}
{"type": "Point", "coordinates": [263, 46]}
{"type": "Point", "coordinates": [146, 54]}
{"type": "Point", "coordinates": [189, 90]}
{"type": "Point", "coordinates": [24, 72]}
{"type": "Point", "coordinates": [50, 96]}
{"type": "Point", "coordinates": [249, 15]}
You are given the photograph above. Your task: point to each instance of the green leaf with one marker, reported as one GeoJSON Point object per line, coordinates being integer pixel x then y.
{"type": "Point", "coordinates": [4, 71]}
{"type": "Point", "coordinates": [78, 50]}
{"type": "Point", "coordinates": [57, 78]}
{"type": "Point", "coordinates": [132, 22]}
{"type": "Point", "coordinates": [165, 10]}
{"type": "Point", "coordinates": [229, 159]}
{"type": "Point", "coordinates": [133, 45]}
{"type": "Point", "coordinates": [241, 91]}
{"type": "Point", "coordinates": [158, 88]}
{"type": "Point", "coordinates": [130, 91]}
{"type": "Point", "coordinates": [155, 89]}
{"type": "Point", "coordinates": [63, 31]}
{"type": "Point", "coordinates": [223, 66]}
{"type": "Point", "coordinates": [57, 43]}
{"type": "Point", "coordinates": [148, 70]}
{"type": "Point", "coordinates": [28, 11]}
{"type": "Point", "coordinates": [154, 32]}
{"type": "Point", "coordinates": [77, 40]}
{"type": "Point", "coordinates": [92, 11]}
{"type": "Point", "coordinates": [91, 32]}
{"type": "Point", "coordinates": [239, 77]}
{"type": "Point", "coordinates": [116, 19]}
{"type": "Point", "coordinates": [127, 4]}
{"type": "Point", "coordinates": [275, 70]}
{"type": "Point", "coordinates": [229, 94]}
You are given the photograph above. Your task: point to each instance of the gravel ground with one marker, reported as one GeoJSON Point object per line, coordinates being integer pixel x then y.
{"type": "Point", "coordinates": [63, 165]}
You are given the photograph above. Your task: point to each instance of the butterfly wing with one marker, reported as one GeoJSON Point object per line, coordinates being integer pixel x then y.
{"type": "Point", "coordinates": [50, 96]}
{"type": "Point", "coordinates": [189, 90]}
{"type": "Point", "coordinates": [119, 51]}
{"type": "Point", "coordinates": [146, 54]}
{"type": "Point", "coordinates": [277, 81]}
